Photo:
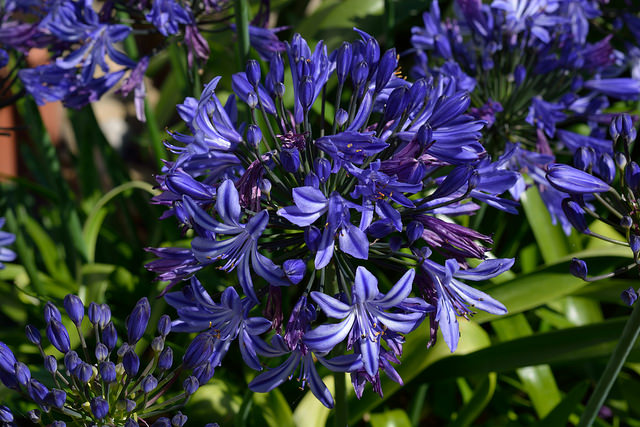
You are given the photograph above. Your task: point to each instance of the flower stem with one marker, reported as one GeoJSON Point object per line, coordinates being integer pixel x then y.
{"type": "Point", "coordinates": [624, 346]}
{"type": "Point", "coordinates": [341, 417]}
{"type": "Point", "coordinates": [242, 30]}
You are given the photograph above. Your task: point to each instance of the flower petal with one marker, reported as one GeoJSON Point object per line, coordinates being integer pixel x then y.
{"type": "Point", "coordinates": [365, 287]}
{"type": "Point", "coordinates": [331, 306]}
{"type": "Point", "coordinates": [325, 337]}
{"type": "Point", "coordinates": [399, 292]}
{"type": "Point", "coordinates": [228, 202]}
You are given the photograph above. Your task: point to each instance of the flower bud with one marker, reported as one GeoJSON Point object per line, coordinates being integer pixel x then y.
{"type": "Point", "coordinates": [634, 243]}
{"type": "Point", "coordinates": [74, 307]}
{"type": "Point", "coordinates": [626, 221]}
{"type": "Point", "coordinates": [360, 73]}
{"type": "Point", "coordinates": [37, 391]}
{"type": "Point", "coordinates": [51, 364]}
{"type": "Point", "coordinates": [323, 169]}
{"type": "Point", "coordinates": [252, 100]}
{"type": "Point", "coordinates": [162, 422]}
{"type": "Point", "coordinates": [606, 168]}
{"type": "Point", "coordinates": [131, 423]}
{"type": "Point", "coordinates": [83, 372]}
{"type": "Point", "coordinates": [519, 74]}
{"type": "Point", "coordinates": [584, 158]}
{"type": "Point", "coordinates": [424, 136]}
{"type": "Point", "coordinates": [204, 372]}
{"type": "Point", "coordinates": [578, 268]}
{"type": "Point", "coordinates": [58, 335]}
{"type": "Point", "coordinates": [7, 359]}
{"type": "Point", "coordinates": [311, 180]}
{"type": "Point", "coordinates": [396, 104]}
{"type": "Point", "coordinates": [99, 407]}
{"type": "Point", "coordinates": [131, 363]}
{"type": "Point", "coordinates": [621, 160]}
{"type": "Point", "coordinates": [253, 72]}
{"type": "Point", "coordinates": [305, 92]}
{"type": "Point", "coordinates": [254, 135]}
{"type": "Point", "coordinates": [56, 398]}
{"type": "Point", "coordinates": [51, 312]}
{"type": "Point", "coordinates": [386, 67]}
{"type": "Point", "coordinates": [110, 336]}
{"type": "Point", "coordinates": [179, 420]}
{"type": "Point", "coordinates": [5, 414]}
{"type": "Point", "coordinates": [290, 159]}
{"type": "Point", "coordinates": [294, 269]}
{"type": "Point", "coordinates": [137, 321]}
{"type": "Point", "coordinates": [101, 352]}
{"type": "Point", "coordinates": [343, 61]}
{"type": "Point", "coordinates": [632, 176]}
{"type": "Point", "coordinates": [105, 315]}
{"type": "Point", "coordinates": [33, 334]}
{"type": "Point", "coordinates": [312, 238]}
{"type": "Point", "coordinates": [165, 360]}
{"type": "Point", "coordinates": [199, 351]}
{"type": "Point", "coordinates": [108, 372]}
{"type": "Point", "coordinates": [149, 383]}
{"type": "Point", "coordinates": [629, 296]}
{"type": "Point", "coordinates": [22, 373]}
{"type": "Point", "coordinates": [414, 231]}
{"type": "Point", "coordinates": [190, 385]}
{"type": "Point", "coordinates": [575, 215]}
{"type": "Point", "coordinates": [341, 117]}
{"type": "Point", "coordinates": [279, 89]}
{"type": "Point", "coordinates": [34, 416]}
{"type": "Point", "coordinates": [58, 424]}
{"type": "Point", "coordinates": [157, 344]}
{"type": "Point", "coordinates": [71, 361]}
{"type": "Point", "coordinates": [95, 313]}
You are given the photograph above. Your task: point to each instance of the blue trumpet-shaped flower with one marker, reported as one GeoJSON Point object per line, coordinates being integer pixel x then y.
{"type": "Point", "coordinates": [365, 319]}
{"type": "Point", "coordinates": [453, 298]}
{"type": "Point", "coordinates": [241, 249]}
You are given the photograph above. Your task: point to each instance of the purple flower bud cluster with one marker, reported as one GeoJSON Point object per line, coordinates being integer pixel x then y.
{"type": "Point", "coordinates": [106, 384]}
{"type": "Point", "coordinates": [613, 186]}
{"type": "Point", "coordinates": [322, 205]}
{"type": "Point", "coordinates": [530, 63]}
{"type": "Point", "coordinates": [6, 239]}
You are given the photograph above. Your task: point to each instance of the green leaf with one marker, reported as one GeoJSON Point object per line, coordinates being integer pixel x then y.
{"type": "Point", "coordinates": [274, 408]}
{"type": "Point", "coordinates": [559, 416]}
{"type": "Point", "coordinates": [537, 381]}
{"type": "Point", "coordinates": [551, 240]}
{"type": "Point", "coordinates": [567, 345]}
{"type": "Point", "coordinates": [393, 418]}
{"type": "Point", "coordinates": [548, 283]}
{"type": "Point", "coordinates": [478, 402]}
{"type": "Point", "coordinates": [310, 412]}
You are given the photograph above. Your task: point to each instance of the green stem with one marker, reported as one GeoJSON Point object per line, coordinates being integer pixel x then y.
{"type": "Point", "coordinates": [341, 417]}
{"type": "Point", "coordinates": [617, 359]}
{"type": "Point", "coordinates": [242, 30]}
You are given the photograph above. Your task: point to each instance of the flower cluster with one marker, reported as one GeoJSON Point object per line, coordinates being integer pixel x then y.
{"type": "Point", "coordinates": [607, 181]}
{"type": "Point", "coordinates": [103, 385]}
{"type": "Point", "coordinates": [533, 74]}
{"type": "Point", "coordinates": [293, 197]}
{"type": "Point", "coordinates": [83, 40]}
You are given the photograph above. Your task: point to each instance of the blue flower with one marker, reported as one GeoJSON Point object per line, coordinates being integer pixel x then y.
{"type": "Point", "coordinates": [454, 298]}
{"type": "Point", "coordinates": [365, 319]}
{"type": "Point", "coordinates": [240, 250]}
{"type": "Point", "coordinates": [6, 239]}
{"type": "Point", "coordinates": [167, 15]}
{"type": "Point", "coordinates": [224, 322]}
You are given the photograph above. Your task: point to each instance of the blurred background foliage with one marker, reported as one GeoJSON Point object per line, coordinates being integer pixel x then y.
{"type": "Point", "coordinates": [80, 209]}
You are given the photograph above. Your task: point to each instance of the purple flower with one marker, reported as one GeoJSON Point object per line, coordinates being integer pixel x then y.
{"type": "Point", "coordinates": [365, 319]}
{"type": "Point", "coordinates": [454, 298]}
{"type": "Point", "coordinates": [310, 205]}
{"type": "Point", "coordinates": [240, 250]}
{"type": "Point", "coordinates": [167, 15]}
{"type": "Point", "coordinates": [224, 322]}
{"type": "Point", "coordinates": [6, 239]}
{"type": "Point", "coordinates": [574, 181]}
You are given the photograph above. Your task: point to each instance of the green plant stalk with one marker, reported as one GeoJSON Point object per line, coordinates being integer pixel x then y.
{"type": "Point", "coordinates": [617, 359]}
{"type": "Point", "coordinates": [242, 30]}
{"type": "Point", "coordinates": [341, 418]}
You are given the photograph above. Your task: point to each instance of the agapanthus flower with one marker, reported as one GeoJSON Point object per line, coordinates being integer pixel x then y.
{"type": "Point", "coordinates": [95, 384]}
{"type": "Point", "coordinates": [293, 198]}
{"type": "Point", "coordinates": [6, 239]}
